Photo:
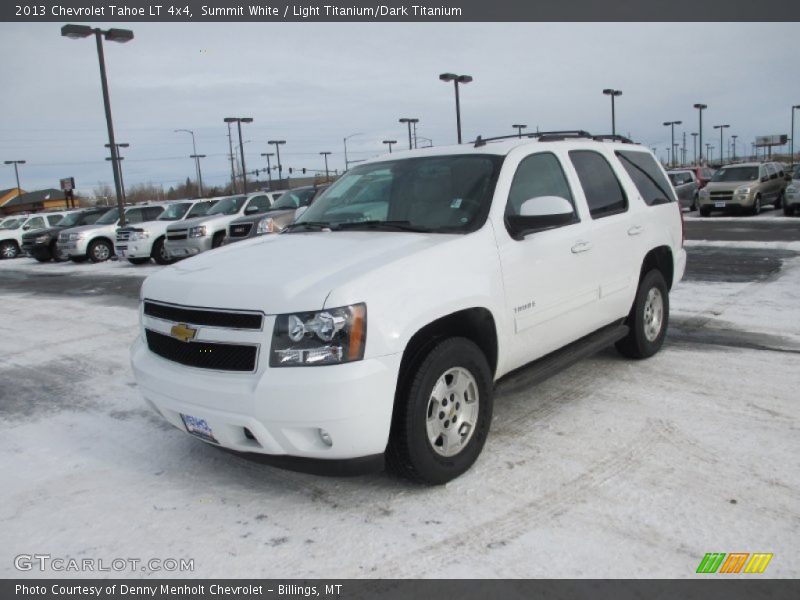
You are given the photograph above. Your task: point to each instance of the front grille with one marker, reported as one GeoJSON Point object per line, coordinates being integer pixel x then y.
{"type": "Point", "coordinates": [204, 316]}
{"type": "Point", "coordinates": [123, 236]}
{"type": "Point", "coordinates": [722, 195]}
{"type": "Point", "coordinates": [178, 234]}
{"type": "Point", "coordinates": [203, 355]}
{"type": "Point", "coordinates": [241, 230]}
{"type": "Point", "coordinates": [63, 238]}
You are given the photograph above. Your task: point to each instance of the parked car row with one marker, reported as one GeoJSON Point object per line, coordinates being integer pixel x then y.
{"type": "Point", "coordinates": [12, 230]}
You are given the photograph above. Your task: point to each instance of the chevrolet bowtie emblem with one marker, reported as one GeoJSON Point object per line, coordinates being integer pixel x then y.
{"type": "Point", "coordinates": [183, 332]}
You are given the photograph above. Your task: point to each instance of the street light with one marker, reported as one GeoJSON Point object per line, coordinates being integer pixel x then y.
{"type": "Point", "coordinates": [733, 137]}
{"type": "Point", "coordinates": [456, 79]}
{"type": "Point", "coordinates": [389, 143]}
{"type": "Point", "coordinates": [721, 145]}
{"type": "Point", "coordinates": [269, 166]}
{"type": "Point", "coordinates": [694, 146]}
{"type": "Point", "coordinates": [112, 35]}
{"type": "Point", "coordinates": [709, 148]}
{"type": "Point", "coordinates": [519, 129]}
{"type": "Point", "coordinates": [196, 158]}
{"type": "Point", "coordinates": [613, 93]}
{"type": "Point", "coordinates": [277, 144]}
{"type": "Point", "coordinates": [325, 154]}
{"type": "Point", "coordinates": [791, 151]}
{"type": "Point", "coordinates": [409, 121]}
{"type": "Point", "coordinates": [700, 108]}
{"type": "Point", "coordinates": [119, 168]}
{"type": "Point", "coordinates": [16, 171]}
{"type": "Point", "coordinates": [671, 125]}
{"type": "Point", "coordinates": [239, 121]}
{"type": "Point", "coordinates": [347, 162]}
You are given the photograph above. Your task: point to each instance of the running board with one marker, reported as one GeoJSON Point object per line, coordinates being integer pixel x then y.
{"type": "Point", "coordinates": [565, 357]}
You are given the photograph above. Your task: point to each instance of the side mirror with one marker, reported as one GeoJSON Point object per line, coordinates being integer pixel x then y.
{"type": "Point", "coordinates": [26, 227]}
{"type": "Point", "coordinates": [251, 210]}
{"type": "Point", "coordinates": [764, 178]}
{"type": "Point", "coordinates": [299, 211]}
{"type": "Point", "coordinates": [540, 213]}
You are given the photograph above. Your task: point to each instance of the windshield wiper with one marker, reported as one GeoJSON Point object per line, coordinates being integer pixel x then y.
{"type": "Point", "coordinates": [390, 225]}
{"type": "Point", "coordinates": [308, 226]}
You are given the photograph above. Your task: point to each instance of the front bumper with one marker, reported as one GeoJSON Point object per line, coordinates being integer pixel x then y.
{"type": "Point", "coordinates": [137, 249]}
{"type": "Point", "coordinates": [73, 248]}
{"type": "Point", "coordinates": [187, 247]}
{"type": "Point", "coordinates": [278, 411]}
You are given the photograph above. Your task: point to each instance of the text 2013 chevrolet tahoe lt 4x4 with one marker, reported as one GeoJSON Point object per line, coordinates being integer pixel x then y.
{"type": "Point", "coordinates": [376, 327]}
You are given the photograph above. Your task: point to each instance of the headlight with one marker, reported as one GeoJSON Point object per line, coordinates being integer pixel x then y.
{"type": "Point", "coordinates": [743, 191]}
{"type": "Point", "coordinates": [139, 235]}
{"type": "Point", "coordinates": [198, 231]}
{"type": "Point", "coordinates": [326, 337]}
{"type": "Point", "coordinates": [265, 226]}
{"type": "Point", "coordinates": [77, 236]}
{"type": "Point", "coordinates": [792, 189]}
{"type": "Point", "coordinates": [42, 239]}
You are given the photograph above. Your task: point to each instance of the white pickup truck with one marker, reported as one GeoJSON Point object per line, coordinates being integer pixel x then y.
{"type": "Point", "coordinates": [373, 331]}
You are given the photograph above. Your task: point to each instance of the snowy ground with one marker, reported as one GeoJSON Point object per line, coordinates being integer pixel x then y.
{"type": "Point", "coordinates": [610, 469]}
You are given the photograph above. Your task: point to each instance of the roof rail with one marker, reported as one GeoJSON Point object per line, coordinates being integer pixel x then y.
{"type": "Point", "coordinates": [542, 136]}
{"type": "Point", "coordinates": [613, 138]}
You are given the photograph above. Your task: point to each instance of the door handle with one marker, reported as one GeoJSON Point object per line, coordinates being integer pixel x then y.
{"type": "Point", "coordinates": [635, 230]}
{"type": "Point", "coordinates": [581, 247]}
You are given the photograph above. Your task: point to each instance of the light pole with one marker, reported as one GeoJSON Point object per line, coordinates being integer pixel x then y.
{"type": "Point", "coordinates": [613, 93]}
{"type": "Point", "coordinates": [239, 121]}
{"type": "Point", "coordinates": [791, 151]}
{"type": "Point", "coordinates": [277, 144]}
{"type": "Point", "coordinates": [700, 108]}
{"type": "Point", "coordinates": [519, 129]}
{"type": "Point", "coordinates": [721, 145]}
{"type": "Point", "coordinates": [671, 124]}
{"type": "Point", "coordinates": [118, 166]}
{"type": "Point", "coordinates": [389, 143]}
{"type": "Point", "coordinates": [709, 148]}
{"type": "Point", "coordinates": [196, 158]}
{"type": "Point", "coordinates": [16, 172]}
{"type": "Point", "coordinates": [409, 121]}
{"type": "Point", "coordinates": [269, 166]}
{"type": "Point", "coordinates": [347, 162]}
{"type": "Point", "coordinates": [456, 79]}
{"type": "Point", "coordinates": [325, 154]}
{"type": "Point", "coordinates": [733, 146]}
{"type": "Point", "coordinates": [694, 147]}
{"type": "Point", "coordinates": [112, 35]}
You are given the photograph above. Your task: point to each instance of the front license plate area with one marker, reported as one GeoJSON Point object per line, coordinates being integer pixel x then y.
{"type": "Point", "coordinates": [122, 251]}
{"type": "Point", "coordinates": [198, 427]}
{"type": "Point", "coordinates": [719, 205]}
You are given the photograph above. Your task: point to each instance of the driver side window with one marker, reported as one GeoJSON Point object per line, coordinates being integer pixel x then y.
{"type": "Point", "coordinates": [538, 175]}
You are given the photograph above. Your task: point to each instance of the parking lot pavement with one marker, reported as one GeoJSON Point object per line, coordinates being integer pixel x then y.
{"type": "Point", "coordinates": [611, 468]}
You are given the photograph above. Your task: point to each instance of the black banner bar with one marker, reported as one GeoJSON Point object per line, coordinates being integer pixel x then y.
{"type": "Point", "coordinates": [109, 11]}
{"type": "Point", "coordinates": [707, 588]}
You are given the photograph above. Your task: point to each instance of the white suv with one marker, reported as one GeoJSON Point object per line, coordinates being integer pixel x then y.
{"type": "Point", "coordinates": [376, 327]}
{"type": "Point", "coordinates": [143, 241]}
{"type": "Point", "coordinates": [12, 228]}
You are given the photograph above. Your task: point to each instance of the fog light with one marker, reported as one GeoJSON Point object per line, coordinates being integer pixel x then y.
{"type": "Point", "coordinates": [325, 437]}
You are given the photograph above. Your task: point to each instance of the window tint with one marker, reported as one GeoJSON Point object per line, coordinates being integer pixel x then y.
{"type": "Point", "coordinates": [54, 220]}
{"type": "Point", "coordinates": [35, 223]}
{"type": "Point", "coordinates": [604, 194]}
{"type": "Point", "coordinates": [200, 209]}
{"type": "Point", "coordinates": [262, 203]}
{"type": "Point", "coordinates": [133, 215]}
{"type": "Point", "coordinates": [537, 175]}
{"type": "Point", "coordinates": [647, 177]}
{"type": "Point", "coordinates": [771, 170]}
{"type": "Point", "coordinates": [151, 212]}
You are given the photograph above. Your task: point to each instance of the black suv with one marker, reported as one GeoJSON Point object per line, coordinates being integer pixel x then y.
{"type": "Point", "coordinates": [41, 244]}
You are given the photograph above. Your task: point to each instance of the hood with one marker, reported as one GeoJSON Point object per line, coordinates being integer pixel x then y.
{"type": "Point", "coordinates": [94, 227]}
{"type": "Point", "coordinates": [54, 231]}
{"type": "Point", "coordinates": [729, 185]}
{"type": "Point", "coordinates": [286, 272]}
{"type": "Point", "coordinates": [150, 226]}
{"type": "Point", "coordinates": [212, 220]}
{"type": "Point", "coordinates": [272, 214]}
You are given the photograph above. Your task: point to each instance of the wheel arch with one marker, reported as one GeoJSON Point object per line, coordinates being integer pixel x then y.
{"type": "Point", "coordinates": [659, 258]}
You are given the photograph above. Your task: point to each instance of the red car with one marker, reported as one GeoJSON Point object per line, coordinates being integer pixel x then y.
{"type": "Point", "coordinates": [703, 174]}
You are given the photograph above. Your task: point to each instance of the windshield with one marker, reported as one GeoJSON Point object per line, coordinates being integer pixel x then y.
{"type": "Point", "coordinates": [736, 174]}
{"type": "Point", "coordinates": [79, 218]}
{"type": "Point", "coordinates": [227, 206]}
{"type": "Point", "coordinates": [437, 193]}
{"type": "Point", "coordinates": [200, 209]}
{"type": "Point", "coordinates": [294, 199]}
{"type": "Point", "coordinates": [109, 218]}
{"type": "Point", "coordinates": [12, 224]}
{"type": "Point", "coordinates": [174, 212]}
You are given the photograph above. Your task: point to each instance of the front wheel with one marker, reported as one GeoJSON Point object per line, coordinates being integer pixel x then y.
{"type": "Point", "coordinates": [9, 249]}
{"type": "Point", "coordinates": [705, 211]}
{"type": "Point", "coordinates": [779, 200]}
{"type": "Point", "coordinates": [99, 251]}
{"type": "Point", "coordinates": [442, 418]}
{"type": "Point", "coordinates": [138, 261]}
{"type": "Point", "coordinates": [788, 209]}
{"type": "Point", "coordinates": [648, 318]}
{"type": "Point", "coordinates": [756, 210]}
{"type": "Point", "coordinates": [160, 254]}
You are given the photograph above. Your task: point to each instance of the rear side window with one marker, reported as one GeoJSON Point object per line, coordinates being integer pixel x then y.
{"type": "Point", "coordinates": [53, 220]}
{"type": "Point", "coordinates": [151, 212]}
{"type": "Point", "coordinates": [647, 177]}
{"type": "Point", "coordinates": [35, 223]}
{"type": "Point", "coordinates": [261, 203]}
{"type": "Point", "coordinates": [537, 175]}
{"type": "Point", "coordinates": [603, 191]}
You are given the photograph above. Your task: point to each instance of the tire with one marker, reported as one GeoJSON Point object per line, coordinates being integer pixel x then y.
{"type": "Point", "coordinates": [788, 209]}
{"type": "Point", "coordinates": [9, 249]}
{"type": "Point", "coordinates": [159, 253]}
{"type": "Point", "coordinates": [138, 261]}
{"type": "Point", "coordinates": [756, 209]}
{"type": "Point", "coordinates": [705, 211]}
{"type": "Point", "coordinates": [779, 200]}
{"type": "Point", "coordinates": [41, 256]}
{"type": "Point", "coordinates": [217, 240]}
{"type": "Point", "coordinates": [423, 415]}
{"type": "Point", "coordinates": [693, 207]}
{"type": "Point", "coordinates": [648, 319]}
{"type": "Point", "coordinates": [99, 251]}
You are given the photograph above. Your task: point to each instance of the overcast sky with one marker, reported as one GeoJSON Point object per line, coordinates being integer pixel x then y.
{"type": "Point", "coordinates": [314, 83]}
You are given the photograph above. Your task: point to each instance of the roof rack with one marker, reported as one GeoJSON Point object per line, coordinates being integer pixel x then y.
{"type": "Point", "coordinates": [554, 136]}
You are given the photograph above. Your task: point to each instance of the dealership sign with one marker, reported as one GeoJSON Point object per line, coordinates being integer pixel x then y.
{"type": "Point", "coordinates": [771, 140]}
